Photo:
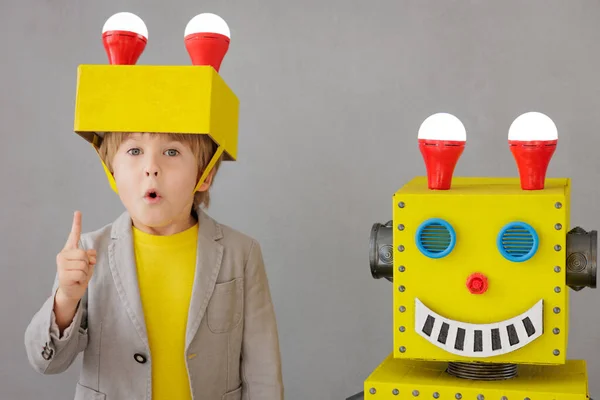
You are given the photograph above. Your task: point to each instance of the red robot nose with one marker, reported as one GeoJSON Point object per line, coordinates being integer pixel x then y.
{"type": "Point", "coordinates": [477, 283]}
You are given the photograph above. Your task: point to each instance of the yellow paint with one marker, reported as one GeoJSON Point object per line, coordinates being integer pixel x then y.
{"type": "Point", "coordinates": [477, 209]}
{"type": "Point", "coordinates": [168, 99]}
{"type": "Point", "coordinates": [536, 382]}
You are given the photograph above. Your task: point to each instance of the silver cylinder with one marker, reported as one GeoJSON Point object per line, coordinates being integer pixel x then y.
{"type": "Point", "coordinates": [581, 258]}
{"type": "Point", "coordinates": [381, 252]}
{"type": "Point", "coordinates": [482, 371]}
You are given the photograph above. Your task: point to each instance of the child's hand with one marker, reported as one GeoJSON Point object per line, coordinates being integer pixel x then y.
{"type": "Point", "coordinates": [75, 267]}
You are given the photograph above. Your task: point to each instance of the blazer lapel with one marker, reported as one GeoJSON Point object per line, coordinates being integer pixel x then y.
{"type": "Point", "coordinates": [123, 269]}
{"type": "Point", "coordinates": [209, 255]}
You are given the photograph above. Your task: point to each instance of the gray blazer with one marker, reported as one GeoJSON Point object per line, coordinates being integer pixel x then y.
{"type": "Point", "coordinates": [231, 345]}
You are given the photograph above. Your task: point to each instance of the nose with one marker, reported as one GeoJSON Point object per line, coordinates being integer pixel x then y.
{"type": "Point", "coordinates": [477, 283]}
{"type": "Point", "coordinates": [151, 168]}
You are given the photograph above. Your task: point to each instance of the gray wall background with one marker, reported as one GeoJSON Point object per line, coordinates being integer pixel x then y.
{"type": "Point", "coordinates": [332, 94]}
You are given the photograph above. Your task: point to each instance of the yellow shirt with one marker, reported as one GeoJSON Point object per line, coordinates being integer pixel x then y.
{"type": "Point", "coordinates": [165, 271]}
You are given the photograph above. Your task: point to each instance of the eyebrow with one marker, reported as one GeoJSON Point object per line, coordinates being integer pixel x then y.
{"type": "Point", "coordinates": [133, 136]}
{"type": "Point", "coordinates": [138, 138]}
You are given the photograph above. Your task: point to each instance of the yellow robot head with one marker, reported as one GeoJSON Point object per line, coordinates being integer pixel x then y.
{"type": "Point", "coordinates": [481, 266]}
{"type": "Point", "coordinates": [124, 97]}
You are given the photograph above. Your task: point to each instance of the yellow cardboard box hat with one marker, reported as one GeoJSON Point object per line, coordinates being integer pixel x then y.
{"type": "Point", "coordinates": [124, 97]}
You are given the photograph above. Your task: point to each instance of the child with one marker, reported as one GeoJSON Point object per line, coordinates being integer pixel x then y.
{"type": "Point", "coordinates": [165, 302]}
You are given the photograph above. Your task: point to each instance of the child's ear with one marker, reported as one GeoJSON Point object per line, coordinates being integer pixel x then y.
{"type": "Point", "coordinates": [207, 182]}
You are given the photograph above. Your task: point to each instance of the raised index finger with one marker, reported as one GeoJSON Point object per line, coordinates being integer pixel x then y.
{"type": "Point", "coordinates": [73, 240]}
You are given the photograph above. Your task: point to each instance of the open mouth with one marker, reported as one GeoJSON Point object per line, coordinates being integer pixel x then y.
{"type": "Point", "coordinates": [479, 340]}
{"type": "Point", "coordinates": [152, 195]}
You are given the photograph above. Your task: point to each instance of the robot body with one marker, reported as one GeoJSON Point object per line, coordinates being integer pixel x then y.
{"type": "Point", "coordinates": [410, 379]}
{"type": "Point", "coordinates": [481, 270]}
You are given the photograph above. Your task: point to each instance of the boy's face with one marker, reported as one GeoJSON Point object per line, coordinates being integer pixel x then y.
{"type": "Point", "coordinates": [155, 176]}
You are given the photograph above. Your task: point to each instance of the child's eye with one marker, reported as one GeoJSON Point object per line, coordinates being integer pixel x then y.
{"type": "Point", "coordinates": [134, 152]}
{"type": "Point", "coordinates": [172, 152]}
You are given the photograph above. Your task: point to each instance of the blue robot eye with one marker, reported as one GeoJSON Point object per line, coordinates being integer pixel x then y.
{"type": "Point", "coordinates": [517, 241]}
{"type": "Point", "coordinates": [435, 238]}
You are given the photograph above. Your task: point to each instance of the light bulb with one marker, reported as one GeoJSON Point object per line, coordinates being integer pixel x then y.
{"type": "Point", "coordinates": [207, 22]}
{"type": "Point", "coordinates": [532, 126]}
{"type": "Point", "coordinates": [207, 37]}
{"type": "Point", "coordinates": [532, 138]}
{"type": "Point", "coordinates": [124, 36]}
{"type": "Point", "coordinates": [442, 139]}
{"type": "Point", "coordinates": [442, 126]}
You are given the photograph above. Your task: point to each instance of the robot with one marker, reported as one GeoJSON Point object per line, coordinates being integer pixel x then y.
{"type": "Point", "coordinates": [189, 99]}
{"type": "Point", "coordinates": [481, 270]}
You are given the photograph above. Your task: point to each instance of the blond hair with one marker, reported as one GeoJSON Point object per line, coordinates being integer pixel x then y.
{"type": "Point", "coordinates": [202, 146]}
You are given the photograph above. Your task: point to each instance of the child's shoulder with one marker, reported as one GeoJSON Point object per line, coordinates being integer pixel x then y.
{"type": "Point", "coordinates": [228, 236]}
{"type": "Point", "coordinates": [239, 247]}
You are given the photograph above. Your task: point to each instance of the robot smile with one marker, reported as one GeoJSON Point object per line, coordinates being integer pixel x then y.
{"type": "Point", "coordinates": [479, 340]}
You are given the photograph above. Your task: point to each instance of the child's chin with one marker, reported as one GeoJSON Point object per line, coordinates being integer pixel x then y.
{"type": "Point", "coordinates": [154, 219]}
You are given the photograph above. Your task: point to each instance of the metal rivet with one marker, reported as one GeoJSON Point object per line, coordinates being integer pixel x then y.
{"type": "Point", "coordinates": [401, 268]}
{"type": "Point", "coordinates": [402, 349]}
{"type": "Point", "coordinates": [526, 398]}
{"type": "Point", "coordinates": [557, 269]}
{"type": "Point", "coordinates": [402, 329]}
{"type": "Point", "coordinates": [556, 310]}
{"type": "Point", "coordinates": [558, 227]}
{"type": "Point", "coordinates": [556, 331]}
{"type": "Point", "coordinates": [458, 396]}
{"type": "Point", "coordinates": [402, 308]}
{"type": "Point", "coordinates": [557, 247]}
{"type": "Point", "coordinates": [558, 204]}
{"type": "Point", "coordinates": [401, 204]}
{"type": "Point", "coordinates": [401, 288]}
{"type": "Point", "coordinates": [504, 398]}
{"type": "Point", "coordinates": [436, 395]}
{"type": "Point", "coordinates": [556, 352]}
{"type": "Point", "coordinates": [395, 392]}
{"type": "Point", "coordinates": [415, 393]}
{"type": "Point", "coordinates": [557, 289]}
{"type": "Point", "coordinates": [401, 248]}
{"type": "Point", "coordinates": [480, 397]}
{"type": "Point", "coordinates": [372, 391]}
{"type": "Point", "coordinates": [401, 227]}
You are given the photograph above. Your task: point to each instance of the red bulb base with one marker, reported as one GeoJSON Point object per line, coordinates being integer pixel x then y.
{"type": "Point", "coordinates": [532, 159]}
{"type": "Point", "coordinates": [477, 283]}
{"type": "Point", "coordinates": [123, 47]}
{"type": "Point", "coordinates": [441, 157]}
{"type": "Point", "coordinates": [207, 48]}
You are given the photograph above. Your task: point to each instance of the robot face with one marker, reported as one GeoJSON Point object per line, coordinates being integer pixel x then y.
{"type": "Point", "coordinates": [479, 271]}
